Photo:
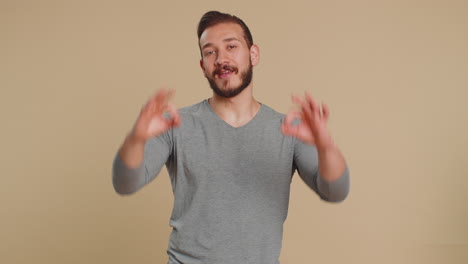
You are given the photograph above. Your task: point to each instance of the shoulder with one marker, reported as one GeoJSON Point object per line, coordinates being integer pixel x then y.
{"type": "Point", "coordinates": [194, 109]}
{"type": "Point", "coordinates": [194, 115]}
{"type": "Point", "coordinates": [198, 111]}
{"type": "Point", "coordinates": [272, 114]}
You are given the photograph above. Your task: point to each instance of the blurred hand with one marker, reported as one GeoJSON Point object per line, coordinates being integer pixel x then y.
{"type": "Point", "coordinates": [312, 128]}
{"type": "Point", "coordinates": [151, 122]}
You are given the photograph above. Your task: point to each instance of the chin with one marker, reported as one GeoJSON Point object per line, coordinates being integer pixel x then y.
{"type": "Point", "coordinates": [229, 88]}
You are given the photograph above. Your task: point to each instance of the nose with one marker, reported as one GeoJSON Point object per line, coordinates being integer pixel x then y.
{"type": "Point", "coordinates": [222, 58]}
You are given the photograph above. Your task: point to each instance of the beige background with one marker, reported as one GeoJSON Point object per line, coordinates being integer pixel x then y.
{"type": "Point", "coordinates": [74, 75]}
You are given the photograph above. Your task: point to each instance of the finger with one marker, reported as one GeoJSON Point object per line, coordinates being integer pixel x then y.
{"type": "Point", "coordinates": [152, 100]}
{"type": "Point", "coordinates": [312, 103]}
{"type": "Point", "coordinates": [297, 100]}
{"type": "Point", "coordinates": [291, 117]}
{"type": "Point", "coordinates": [169, 94]}
{"type": "Point", "coordinates": [288, 131]}
{"type": "Point", "coordinates": [175, 117]}
{"type": "Point", "coordinates": [162, 99]}
{"type": "Point", "coordinates": [308, 114]}
{"type": "Point", "coordinates": [288, 127]}
{"type": "Point", "coordinates": [326, 111]}
{"type": "Point", "coordinates": [148, 109]}
{"type": "Point", "coordinates": [152, 103]}
{"type": "Point", "coordinates": [159, 95]}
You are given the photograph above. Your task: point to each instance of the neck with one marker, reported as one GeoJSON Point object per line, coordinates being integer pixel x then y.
{"type": "Point", "coordinates": [238, 110]}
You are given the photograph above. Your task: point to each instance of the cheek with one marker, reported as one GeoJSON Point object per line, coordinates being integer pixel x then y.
{"type": "Point", "coordinates": [246, 62]}
{"type": "Point", "coordinates": [208, 72]}
{"type": "Point", "coordinates": [205, 67]}
{"type": "Point", "coordinates": [244, 58]}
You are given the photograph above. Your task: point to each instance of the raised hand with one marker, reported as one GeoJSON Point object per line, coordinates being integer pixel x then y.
{"type": "Point", "coordinates": [313, 119]}
{"type": "Point", "coordinates": [152, 120]}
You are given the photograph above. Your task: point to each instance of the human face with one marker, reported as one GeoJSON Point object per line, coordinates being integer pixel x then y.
{"type": "Point", "coordinates": [245, 78]}
{"type": "Point", "coordinates": [227, 61]}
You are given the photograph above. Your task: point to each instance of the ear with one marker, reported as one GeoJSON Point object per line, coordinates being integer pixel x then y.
{"type": "Point", "coordinates": [254, 54]}
{"type": "Point", "coordinates": [201, 64]}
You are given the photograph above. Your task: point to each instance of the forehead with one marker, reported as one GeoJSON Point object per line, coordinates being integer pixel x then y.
{"type": "Point", "coordinates": [220, 32]}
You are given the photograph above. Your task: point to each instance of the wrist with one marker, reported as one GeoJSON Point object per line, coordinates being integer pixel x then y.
{"type": "Point", "coordinates": [328, 146]}
{"type": "Point", "coordinates": [133, 139]}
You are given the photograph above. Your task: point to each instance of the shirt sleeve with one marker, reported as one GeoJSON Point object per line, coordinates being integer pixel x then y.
{"type": "Point", "coordinates": [129, 180]}
{"type": "Point", "coordinates": [306, 163]}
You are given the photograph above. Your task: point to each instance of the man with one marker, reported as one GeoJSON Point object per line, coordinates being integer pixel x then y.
{"type": "Point", "coordinates": [230, 158]}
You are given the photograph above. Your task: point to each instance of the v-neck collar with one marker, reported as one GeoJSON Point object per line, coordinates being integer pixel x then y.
{"type": "Point", "coordinates": [219, 119]}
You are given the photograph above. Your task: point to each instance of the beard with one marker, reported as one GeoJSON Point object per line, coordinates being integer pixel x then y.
{"type": "Point", "coordinates": [245, 77]}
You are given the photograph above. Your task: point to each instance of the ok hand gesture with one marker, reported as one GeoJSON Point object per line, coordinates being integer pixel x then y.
{"type": "Point", "coordinates": [152, 120]}
{"type": "Point", "coordinates": [312, 127]}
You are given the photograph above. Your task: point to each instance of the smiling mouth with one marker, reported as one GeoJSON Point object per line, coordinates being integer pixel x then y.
{"type": "Point", "coordinates": [225, 72]}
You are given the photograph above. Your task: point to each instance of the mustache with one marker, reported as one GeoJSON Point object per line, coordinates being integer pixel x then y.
{"type": "Point", "coordinates": [224, 67]}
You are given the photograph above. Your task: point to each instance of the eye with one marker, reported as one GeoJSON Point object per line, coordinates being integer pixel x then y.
{"type": "Point", "coordinates": [232, 46]}
{"type": "Point", "coordinates": [209, 52]}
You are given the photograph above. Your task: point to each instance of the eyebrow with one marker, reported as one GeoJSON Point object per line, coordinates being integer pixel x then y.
{"type": "Point", "coordinates": [209, 44]}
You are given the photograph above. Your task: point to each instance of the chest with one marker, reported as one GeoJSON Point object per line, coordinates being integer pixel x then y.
{"type": "Point", "coordinates": [244, 156]}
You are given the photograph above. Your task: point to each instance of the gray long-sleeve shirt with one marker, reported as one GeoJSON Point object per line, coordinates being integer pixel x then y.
{"type": "Point", "coordinates": [231, 185]}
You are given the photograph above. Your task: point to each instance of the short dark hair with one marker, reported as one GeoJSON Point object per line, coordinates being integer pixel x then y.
{"type": "Point", "coordinates": [212, 18]}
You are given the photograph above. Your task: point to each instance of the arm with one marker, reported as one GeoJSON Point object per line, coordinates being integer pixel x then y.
{"type": "Point", "coordinates": [307, 163]}
{"type": "Point", "coordinates": [127, 180]}
{"type": "Point", "coordinates": [145, 140]}
{"type": "Point", "coordinates": [332, 177]}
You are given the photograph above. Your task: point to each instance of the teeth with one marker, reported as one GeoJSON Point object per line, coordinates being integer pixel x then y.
{"type": "Point", "coordinates": [224, 71]}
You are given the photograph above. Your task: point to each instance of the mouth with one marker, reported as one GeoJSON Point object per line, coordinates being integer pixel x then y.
{"type": "Point", "coordinates": [225, 72]}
